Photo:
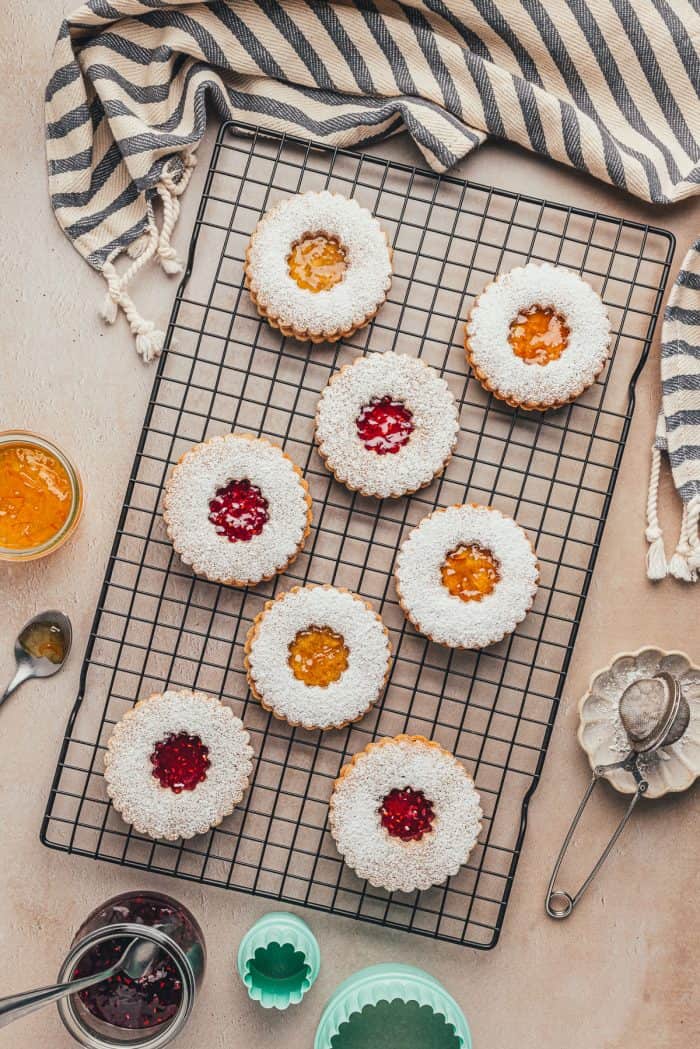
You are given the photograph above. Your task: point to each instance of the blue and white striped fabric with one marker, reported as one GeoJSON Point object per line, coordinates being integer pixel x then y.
{"type": "Point", "coordinates": [611, 87]}
{"type": "Point", "coordinates": [678, 425]}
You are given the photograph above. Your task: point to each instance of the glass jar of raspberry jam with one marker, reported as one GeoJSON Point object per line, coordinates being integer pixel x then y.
{"type": "Point", "coordinates": [148, 1012]}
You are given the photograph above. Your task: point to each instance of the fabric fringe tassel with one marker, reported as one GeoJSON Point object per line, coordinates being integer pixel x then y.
{"type": "Point", "coordinates": [155, 243]}
{"type": "Point", "coordinates": [656, 555]}
{"type": "Point", "coordinates": [685, 562]}
{"type": "Point", "coordinates": [693, 534]}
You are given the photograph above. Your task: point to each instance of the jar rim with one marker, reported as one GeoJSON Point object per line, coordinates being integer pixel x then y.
{"type": "Point", "coordinates": [156, 1038]}
{"type": "Point", "coordinates": [29, 437]}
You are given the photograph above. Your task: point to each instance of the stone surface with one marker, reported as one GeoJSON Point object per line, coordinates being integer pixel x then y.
{"type": "Point", "coordinates": [620, 972]}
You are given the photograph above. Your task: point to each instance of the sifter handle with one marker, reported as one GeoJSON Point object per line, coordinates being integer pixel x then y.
{"type": "Point", "coordinates": [559, 904]}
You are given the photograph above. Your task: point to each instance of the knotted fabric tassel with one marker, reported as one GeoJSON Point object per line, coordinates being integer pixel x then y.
{"type": "Point", "coordinates": [153, 243]}
{"type": "Point", "coordinates": [679, 566]}
{"type": "Point", "coordinates": [149, 339]}
{"type": "Point", "coordinates": [167, 255]}
{"type": "Point", "coordinates": [693, 533]}
{"type": "Point", "coordinates": [656, 555]}
{"type": "Point", "coordinates": [170, 189]}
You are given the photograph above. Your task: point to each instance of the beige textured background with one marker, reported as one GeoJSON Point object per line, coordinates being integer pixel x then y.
{"type": "Point", "coordinates": [620, 972]}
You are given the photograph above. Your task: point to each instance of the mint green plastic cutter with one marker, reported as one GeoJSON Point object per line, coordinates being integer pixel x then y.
{"type": "Point", "coordinates": [278, 960]}
{"type": "Point", "coordinates": [392, 1005]}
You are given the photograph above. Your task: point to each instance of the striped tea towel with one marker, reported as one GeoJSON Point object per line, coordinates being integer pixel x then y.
{"type": "Point", "coordinates": [611, 87]}
{"type": "Point", "coordinates": [678, 425]}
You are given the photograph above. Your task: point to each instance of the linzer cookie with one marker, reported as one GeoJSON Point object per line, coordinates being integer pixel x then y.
{"type": "Point", "coordinates": [404, 814]}
{"type": "Point", "coordinates": [177, 763]}
{"type": "Point", "coordinates": [237, 509]}
{"type": "Point", "coordinates": [538, 336]}
{"type": "Point", "coordinates": [318, 266]}
{"type": "Point", "coordinates": [318, 657]}
{"type": "Point", "coordinates": [386, 425]}
{"type": "Point", "coordinates": [466, 576]}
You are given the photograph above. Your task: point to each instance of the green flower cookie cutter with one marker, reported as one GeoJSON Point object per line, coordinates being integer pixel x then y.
{"type": "Point", "coordinates": [393, 1006]}
{"type": "Point", "coordinates": [278, 960]}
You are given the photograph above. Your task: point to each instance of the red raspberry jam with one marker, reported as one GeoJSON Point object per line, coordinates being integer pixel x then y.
{"type": "Point", "coordinates": [407, 814]}
{"type": "Point", "coordinates": [130, 1004]}
{"type": "Point", "coordinates": [239, 511]}
{"type": "Point", "coordinates": [384, 426]}
{"type": "Point", "coordinates": [180, 762]}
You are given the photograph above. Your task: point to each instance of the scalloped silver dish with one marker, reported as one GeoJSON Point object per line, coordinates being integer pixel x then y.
{"type": "Point", "coordinates": [604, 740]}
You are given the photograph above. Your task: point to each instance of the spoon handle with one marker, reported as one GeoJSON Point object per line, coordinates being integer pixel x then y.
{"type": "Point", "coordinates": [24, 670]}
{"type": "Point", "coordinates": [16, 1005]}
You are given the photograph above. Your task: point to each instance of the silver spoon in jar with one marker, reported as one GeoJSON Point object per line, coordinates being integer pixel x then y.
{"type": "Point", "coordinates": [136, 961]}
{"type": "Point", "coordinates": [41, 648]}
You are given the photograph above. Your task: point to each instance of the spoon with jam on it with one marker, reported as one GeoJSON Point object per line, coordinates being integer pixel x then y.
{"type": "Point", "coordinates": [41, 648]}
{"type": "Point", "coordinates": [135, 962]}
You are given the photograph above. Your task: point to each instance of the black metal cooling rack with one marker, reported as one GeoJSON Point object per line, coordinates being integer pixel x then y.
{"type": "Point", "coordinates": [225, 369]}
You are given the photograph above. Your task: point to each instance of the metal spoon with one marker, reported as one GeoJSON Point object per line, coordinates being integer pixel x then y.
{"type": "Point", "coordinates": [41, 648]}
{"type": "Point", "coordinates": [136, 961]}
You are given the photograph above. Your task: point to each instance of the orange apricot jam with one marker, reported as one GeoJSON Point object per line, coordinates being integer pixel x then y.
{"type": "Point", "coordinates": [470, 572]}
{"type": "Point", "coordinates": [318, 656]}
{"type": "Point", "coordinates": [538, 335]}
{"type": "Point", "coordinates": [36, 496]}
{"type": "Point", "coordinates": [45, 641]}
{"type": "Point", "coordinates": [317, 262]}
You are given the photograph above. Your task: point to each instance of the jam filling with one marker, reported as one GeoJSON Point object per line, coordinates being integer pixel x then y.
{"type": "Point", "coordinates": [44, 641]}
{"type": "Point", "coordinates": [538, 335]}
{"type": "Point", "coordinates": [180, 762]}
{"type": "Point", "coordinates": [318, 656]}
{"type": "Point", "coordinates": [407, 814]}
{"type": "Point", "coordinates": [384, 426]}
{"type": "Point", "coordinates": [317, 262]}
{"type": "Point", "coordinates": [238, 511]}
{"type": "Point", "coordinates": [130, 1004]}
{"type": "Point", "coordinates": [470, 572]}
{"type": "Point", "coordinates": [35, 496]}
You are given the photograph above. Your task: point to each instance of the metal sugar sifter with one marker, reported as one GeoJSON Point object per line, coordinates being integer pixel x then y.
{"type": "Point", "coordinates": [654, 714]}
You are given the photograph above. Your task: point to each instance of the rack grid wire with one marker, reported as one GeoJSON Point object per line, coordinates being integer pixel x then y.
{"type": "Point", "coordinates": [225, 369]}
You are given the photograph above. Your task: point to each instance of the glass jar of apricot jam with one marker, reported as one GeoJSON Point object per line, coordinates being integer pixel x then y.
{"type": "Point", "coordinates": [145, 1013]}
{"type": "Point", "coordinates": [41, 496]}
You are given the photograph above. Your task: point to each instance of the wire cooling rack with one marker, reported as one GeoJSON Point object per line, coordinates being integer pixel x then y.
{"type": "Point", "coordinates": [225, 369]}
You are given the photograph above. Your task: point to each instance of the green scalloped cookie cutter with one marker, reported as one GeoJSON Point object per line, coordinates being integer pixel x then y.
{"type": "Point", "coordinates": [393, 1006]}
{"type": "Point", "coordinates": [278, 960]}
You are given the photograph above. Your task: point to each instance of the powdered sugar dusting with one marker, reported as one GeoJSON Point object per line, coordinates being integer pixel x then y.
{"type": "Point", "coordinates": [368, 263]}
{"type": "Point", "coordinates": [193, 484]}
{"type": "Point", "coordinates": [446, 618]}
{"type": "Point", "coordinates": [389, 862]}
{"type": "Point", "coordinates": [136, 793]}
{"type": "Point", "coordinates": [551, 286]}
{"type": "Point", "coordinates": [435, 420]}
{"type": "Point", "coordinates": [343, 700]}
